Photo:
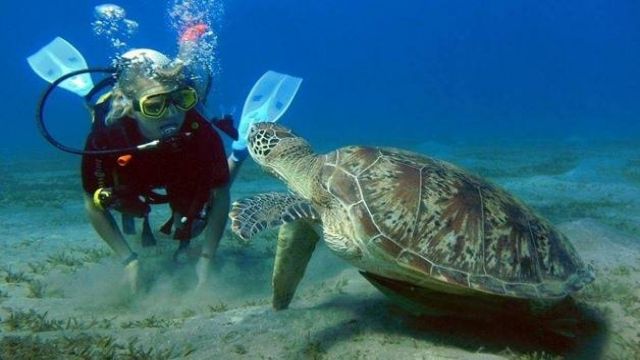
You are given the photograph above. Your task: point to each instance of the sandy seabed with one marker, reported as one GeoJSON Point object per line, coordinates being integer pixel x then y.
{"type": "Point", "coordinates": [62, 293]}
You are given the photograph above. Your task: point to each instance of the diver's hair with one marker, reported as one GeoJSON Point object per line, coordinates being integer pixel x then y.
{"type": "Point", "coordinates": [172, 71]}
{"type": "Point", "coordinates": [133, 76]}
{"type": "Point", "coordinates": [131, 79]}
{"type": "Point", "coordinates": [121, 106]}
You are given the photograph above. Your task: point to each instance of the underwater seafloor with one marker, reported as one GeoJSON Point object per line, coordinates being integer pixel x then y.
{"type": "Point", "coordinates": [62, 293]}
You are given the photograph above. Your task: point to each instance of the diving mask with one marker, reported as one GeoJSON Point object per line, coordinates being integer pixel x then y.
{"type": "Point", "coordinates": [154, 106]}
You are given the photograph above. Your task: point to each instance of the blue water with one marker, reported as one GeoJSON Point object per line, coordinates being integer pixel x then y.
{"type": "Point", "coordinates": [411, 70]}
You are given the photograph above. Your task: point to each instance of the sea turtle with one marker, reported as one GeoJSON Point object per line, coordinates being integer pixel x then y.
{"type": "Point", "coordinates": [420, 229]}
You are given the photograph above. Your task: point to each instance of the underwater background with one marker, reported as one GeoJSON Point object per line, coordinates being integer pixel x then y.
{"type": "Point", "coordinates": [539, 97]}
{"type": "Point", "coordinates": [410, 70]}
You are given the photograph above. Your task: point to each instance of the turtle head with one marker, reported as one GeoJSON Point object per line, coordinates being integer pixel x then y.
{"type": "Point", "coordinates": [281, 152]}
{"type": "Point", "coordinates": [271, 143]}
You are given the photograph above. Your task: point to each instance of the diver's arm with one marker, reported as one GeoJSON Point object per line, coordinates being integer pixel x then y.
{"type": "Point", "coordinates": [105, 225]}
{"type": "Point", "coordinates": [217, 221]}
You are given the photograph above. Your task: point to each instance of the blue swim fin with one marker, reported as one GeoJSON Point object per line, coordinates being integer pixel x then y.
{"type": "Point", "coordinates": [267, 101]}
{"type": "Point", "coordinates": [59, 58]}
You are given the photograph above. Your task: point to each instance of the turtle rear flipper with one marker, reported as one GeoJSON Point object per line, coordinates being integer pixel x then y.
{"type": "Point", "coordinates": [264, 211]}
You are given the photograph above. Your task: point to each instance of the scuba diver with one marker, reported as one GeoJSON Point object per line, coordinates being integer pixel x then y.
{"type": "Point", "coordinates": [153, 99]}
{"type": "Point", "coordinates": [148, 134]}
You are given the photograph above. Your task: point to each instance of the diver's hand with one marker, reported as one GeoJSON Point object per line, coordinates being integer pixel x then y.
{"type": "Point", "coordinates": [131, 272]}
{"type": "Point", "coordinates": [202, 271]}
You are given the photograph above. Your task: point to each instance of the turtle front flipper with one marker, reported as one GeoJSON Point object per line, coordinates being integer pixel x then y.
{"type": "Point", "coordinates": [296, 242]}
{"type": "Point", "coordinates": [252, 215]}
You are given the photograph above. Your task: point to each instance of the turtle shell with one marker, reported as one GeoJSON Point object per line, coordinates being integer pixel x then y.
{"type": "Point", "coordinates": [427, 222]}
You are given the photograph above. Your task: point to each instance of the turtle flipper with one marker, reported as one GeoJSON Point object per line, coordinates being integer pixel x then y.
{"type": "Point", "coordinates": [252, 215]}
{"type": "Point", "coordinates": [296, 242]}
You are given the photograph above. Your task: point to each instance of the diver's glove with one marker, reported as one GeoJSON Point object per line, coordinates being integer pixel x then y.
{"type": "Point", "coordinates": [121, 200]}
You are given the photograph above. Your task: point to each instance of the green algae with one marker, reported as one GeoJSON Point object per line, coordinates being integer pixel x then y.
{"type": "Point", "coordinates": [83, 346]}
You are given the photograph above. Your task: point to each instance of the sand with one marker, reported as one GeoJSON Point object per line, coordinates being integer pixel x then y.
{"type": "Point", "coordinates": [62, 293]}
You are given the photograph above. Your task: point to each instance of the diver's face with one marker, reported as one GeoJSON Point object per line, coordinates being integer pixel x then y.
{"type": "Point", "coordinates": [163, 126]}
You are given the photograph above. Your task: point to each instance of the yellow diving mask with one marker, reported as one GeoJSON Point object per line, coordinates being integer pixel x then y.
{"type": "Point", "coordinates": [155, 105]}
